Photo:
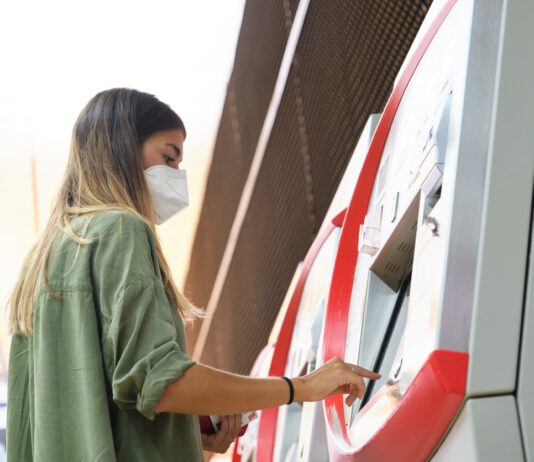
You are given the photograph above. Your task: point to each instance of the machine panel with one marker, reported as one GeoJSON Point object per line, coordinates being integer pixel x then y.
{"type": "Point", "coordinates": [425, 280]}
{"type": "Point", "coordinates": [486, 430]}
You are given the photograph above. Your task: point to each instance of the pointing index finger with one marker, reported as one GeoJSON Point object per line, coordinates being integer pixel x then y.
{"type": "Point", "coordinates": [365, 372]}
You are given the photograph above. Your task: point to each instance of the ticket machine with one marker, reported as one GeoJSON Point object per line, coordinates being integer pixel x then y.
{"type": "Point", "coordinates": [424, 273]}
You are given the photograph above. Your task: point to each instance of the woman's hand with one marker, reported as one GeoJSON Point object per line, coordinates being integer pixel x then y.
{"type": "Point", "coordinates": [333, 378]}
{"type": "Point", "coordinates": [220, 442]}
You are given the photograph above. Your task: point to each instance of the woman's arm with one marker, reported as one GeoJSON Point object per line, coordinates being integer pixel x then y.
{"type": "Point", "coordinates": [205, 390]}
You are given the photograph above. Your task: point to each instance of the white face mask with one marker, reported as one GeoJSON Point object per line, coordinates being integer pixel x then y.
{"type": "Point", "coordinates": [168, 189]}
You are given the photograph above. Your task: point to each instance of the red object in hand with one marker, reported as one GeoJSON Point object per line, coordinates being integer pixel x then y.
{"type": "Point", "coordinates": [206, 426]}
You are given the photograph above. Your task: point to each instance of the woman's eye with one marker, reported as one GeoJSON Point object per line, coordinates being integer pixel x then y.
{"type": "Point", "coordinates": [168, 160]}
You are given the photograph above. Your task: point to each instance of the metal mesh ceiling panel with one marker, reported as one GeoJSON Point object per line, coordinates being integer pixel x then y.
{"type": "Point", "coordinates": [262, 40]}
{"type": "Point", "coordinates": [343, 70]}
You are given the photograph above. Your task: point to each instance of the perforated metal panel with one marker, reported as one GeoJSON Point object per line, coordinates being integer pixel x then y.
{"type": "Point", "coordinates": [262, 40]}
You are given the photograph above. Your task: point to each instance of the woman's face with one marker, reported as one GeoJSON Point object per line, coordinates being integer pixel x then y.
{"type": "Point", "coordinates": [163, 148]}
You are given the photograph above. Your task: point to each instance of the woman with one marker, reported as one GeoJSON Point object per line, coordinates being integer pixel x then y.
{"type": "Point", "coordinates": [99, 369]}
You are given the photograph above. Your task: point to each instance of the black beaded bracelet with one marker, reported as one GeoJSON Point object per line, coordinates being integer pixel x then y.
{"type": "Point", "coordinates": [291, 389]}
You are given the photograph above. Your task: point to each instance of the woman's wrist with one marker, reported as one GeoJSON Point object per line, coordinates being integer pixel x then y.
{"type": "Point", "coordinates": [299, 389]}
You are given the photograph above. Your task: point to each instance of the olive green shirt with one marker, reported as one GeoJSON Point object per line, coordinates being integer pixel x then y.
{"type": "Point", "coordinates": [84, 386]}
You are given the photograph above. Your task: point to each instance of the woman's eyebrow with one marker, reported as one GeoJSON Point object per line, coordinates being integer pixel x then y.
{"type": "Point", "coordinates": [176, 148]}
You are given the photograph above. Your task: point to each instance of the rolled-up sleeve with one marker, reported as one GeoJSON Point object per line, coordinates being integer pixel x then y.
{"type": "Point", "coordinates": [142, 354]}
{"type": "Point", "coordinates": [141, 342]}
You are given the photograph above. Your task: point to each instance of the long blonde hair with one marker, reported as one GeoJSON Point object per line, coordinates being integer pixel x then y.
{"type": "Point", "coordinates": [104, 172]}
